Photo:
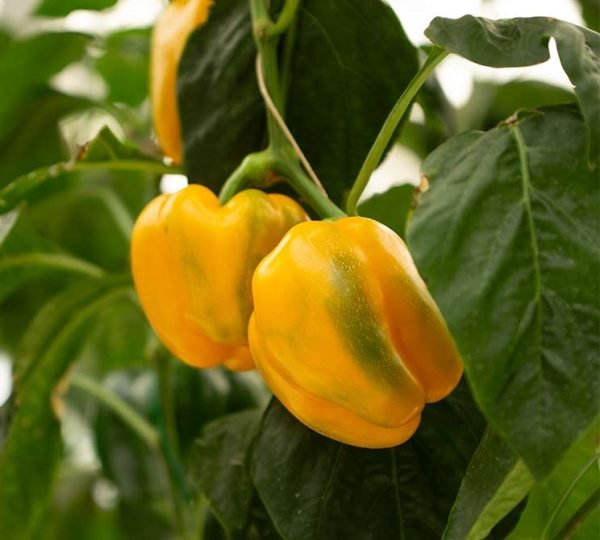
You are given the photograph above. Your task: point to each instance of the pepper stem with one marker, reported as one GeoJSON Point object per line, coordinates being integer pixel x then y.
{"type": "Point", "coordinates": [389, 127]}
{"type": "Point", "coordinates": [280, 159]}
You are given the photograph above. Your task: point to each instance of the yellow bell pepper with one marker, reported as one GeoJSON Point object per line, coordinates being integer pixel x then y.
{"type": "Point", "coordinates": [192, 262]}
{"type": "Point", "coordinates": [171, 32]}
{"type": "Point", "coordinates": [346, 334]}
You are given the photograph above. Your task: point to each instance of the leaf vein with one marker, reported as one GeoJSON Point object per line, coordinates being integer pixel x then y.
{"type": "Point", "coordinates": [535, 251]}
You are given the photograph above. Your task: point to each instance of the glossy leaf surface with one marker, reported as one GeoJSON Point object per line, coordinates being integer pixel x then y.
{"type": "Point", "coordinates": [314, 487]}
{"type": "Point", "coordinates": [507, 240]}
{"type": "Point", "coordinates": [524, 42]}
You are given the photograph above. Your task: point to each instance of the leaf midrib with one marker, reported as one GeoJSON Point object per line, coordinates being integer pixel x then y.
{"type": "Point", "coordinates": [535, 251]}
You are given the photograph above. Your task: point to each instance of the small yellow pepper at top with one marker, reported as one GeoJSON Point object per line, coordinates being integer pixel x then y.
{"type": "Point", "coordinates": [171, 32]}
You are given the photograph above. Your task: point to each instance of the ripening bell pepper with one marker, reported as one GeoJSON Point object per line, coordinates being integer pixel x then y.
{"type": "Point", "coordinates": [192, 262]}
{"type": "Point", "coordinates": [171, 32]}
{"type": "Point", "coordinates": [346, 334]}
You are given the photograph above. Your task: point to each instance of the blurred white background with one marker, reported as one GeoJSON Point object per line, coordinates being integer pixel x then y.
{"type": "Point", "coordinates": [455, 75]}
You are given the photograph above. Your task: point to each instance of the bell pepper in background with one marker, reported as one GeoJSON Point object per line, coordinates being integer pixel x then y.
{"type": "Point", "coordinates": [192, 262]}
{"type": "Point", "coordinates": [171, 32]}
{"type": "Point", "coordinates": [346, 335]}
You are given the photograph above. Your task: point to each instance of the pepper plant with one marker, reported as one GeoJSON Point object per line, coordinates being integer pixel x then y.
{"type": "Point", "coordinates": [106, 434]}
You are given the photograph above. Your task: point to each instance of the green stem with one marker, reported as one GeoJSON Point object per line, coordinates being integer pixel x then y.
{"type": "Point", "coordinates": [566, 494]}
{"type": "Point", "coordinates": [200, 508]}
{"type": "Point", "coordinates": [389, 127]}
{"type": "Point", "coordinates": [169, 443]}
{"type": "Point", "coordinates": [256, 167]}
{"type": "Point", "coordinates": [280, 157]}
{"type": "Point", "coordinates": [16, 191]}
{"type": "Point", "coordinates": [286, 65]}
{"type": "Point", "coordinates": [299, 180]}
{"type": "Point", "coordinates": [250, 172]}
{"type": "Point", "coordinates": [166, 398]}
{"type": "Point", "coordinates": [53, 260]}
{"type": "Point", "coordinates": [122, 409]}
{"type": "Point", "coordinates": [267, 49]}
{"type": "Point", "coordinates": [129, 165]}
{"type": "Point", "coordinates": [580, 516]}
{"type": "Point", "coordinates": [287, 15]}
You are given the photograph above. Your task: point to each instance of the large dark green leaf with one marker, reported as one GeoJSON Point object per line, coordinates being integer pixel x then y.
{"type": "Point", "coordinates": [553, 505]}
{"type": "Point", "coordinates": [351, 62]}
{"type": "Point", "coordinates": [60, 8]}
{"type": "Point", "coordinates": [507, 240]}
{"type": "Point", "coordinates": [494, 483]}
{"type": "Point", "coordinates": [314, 487]}
{"type": "Point", "coordinates": [219, 465]}
{"type": "Point", "coordinates": [523, 42]}
{"type": "Point", "coordinates": [222, 116]}
{"type": "Point", "coordinates": [33, 443]}
{"type": "Point", "coordinates": [341, 87]}
{"type": "Point", "coordinates": [124, 65]}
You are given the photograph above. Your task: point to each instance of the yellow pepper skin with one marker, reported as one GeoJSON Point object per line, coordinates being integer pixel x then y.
{"type": "Point", "coordinates": [192, 262]}
{"type": "Point", "coordinates": [346, 334]}
{"type": "Point", "coordinates": [170, 35]}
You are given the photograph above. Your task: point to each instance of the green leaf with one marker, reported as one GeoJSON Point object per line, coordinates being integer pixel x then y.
{"type": "Point", "coordinates": [221, 111]}
{"type": "Point", "coordinates": [106, 146]}
{"type": "Point", "coordinates": [351, 62]}
{"type": "Point", "coordinates": [35, 139]}
{"type": "Point", "coordinates": [25, 287]}
{"type": "Point", "coordinates": [98, 239]}
{"type": "Point", "coordinates": [201, 395]}
{"type": "Point", "coordinates": [554, 503]}
{"type": "Point", "coordinates": [110, 348]}
{"type": "Point", "coordinates": [340, 88]}
{"type": "Point", "coordinates": [507, 241]}
{"type": "Point", "coordinates": [124, 65]}
{"type": "Point", "coordinates": [492, 103]}
{"type": "Point", "coordinates": [524, 42]}
{"type": "Point", "coordinates": [25, 255]}
{"type": "Point", "coordinates": [392, 207]}
{"type": "Point", "coordinates": [28, 64]}
{"type": "Point", "coordinates": [33, 443]}
{"type": "Point", "coordinates": [314, 487]}
{"type": "Point", "coordinates": [591, 13]}
{"type": "Point", "coordinates": [105, 151]}
{"type": "Point", "coordinates": [495, 482]}
{"type": "Point", "coordinates": [219, 465]}
{"type": "Point", "coordinates": [41, 332]}
{"type": "Point", "coordinates": [61, 8]}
